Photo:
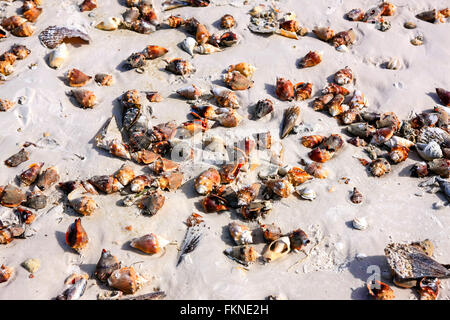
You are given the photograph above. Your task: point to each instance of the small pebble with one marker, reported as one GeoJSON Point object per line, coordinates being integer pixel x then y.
{"type": "Point", "coordinates": [417, 41]}
{"type": "Point", "coordinates": [31, 265]}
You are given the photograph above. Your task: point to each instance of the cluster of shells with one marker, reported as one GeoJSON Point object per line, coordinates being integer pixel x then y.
{"type": "Point", "coordinates": [224, 187]}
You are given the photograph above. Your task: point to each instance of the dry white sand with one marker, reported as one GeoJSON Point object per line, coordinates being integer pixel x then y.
{"type": "Point", "coordinates": [393, 210]}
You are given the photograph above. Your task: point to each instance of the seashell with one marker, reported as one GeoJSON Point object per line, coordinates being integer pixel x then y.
{"type": "Point", "coordinates": [290, 25]}
{"type": "Point", "coordinates": [81, 203]}
{"type": "Point", "coordinates": [346, 38]}
{"type": "Point", "coordinates": [440, 167]}
{"type": "Point", "coordinates": [298, 239]}
{"type": "Point", "coordinates": [8, 57]}
{"type": "Point", "coordinates": [106, 184]}
{"type": "Point", "coordinates": [284, 89]}
{"type": "Point", "coordinates": [48, 178]}
{"type": "Point", "coordinates": [381, 291]}
{"type": "Point", "coordinates": [32, 14]}
{"type": "Point", "coordinates": [240, 233]}
{"type": "Point", "coordinates": [202, 34]}
{"type": "Point", "coordinates": [383, 25]}
{"type": "Point", "coordinates": [333, 143]}
{"type": "Point", "coordinates": [5, 273]}
{"type": "Point", "coordinates": [125, 174]}
{"type": "Point", "coordinates": [85, 98]}
{"type": "Point", "coordinates": [207, 181]}
{"type": "Point", "coordinates": [227, 21]}
{"type": "Point", "coordinates": [382, 135]}
{"type": "Point", "coordinates": [106, 265]}
{"type": "Point", "coordinates": [281, 187]}
{"type": "Point", "coordinates": [408, 261]}
{"type": "Point", "coordinates": [104, 79]}
{"type": "Point", "coordinates": [244, 68]}
{"type": "Point", "coordinates": [316, 170]}
{"type": "Point", "coordinates": [373, 15]}
{"type": "Point", "coordinates": [356, 197]}
{"type": "Point", "coordinates": [171, 181]}
{"type": "Point", "coordinates": [336, 106]}
{"type": "Point", "coordinates": [75, 286]}
{"type": "Point", "coordinates": [119, 149]}
{"type": "Point", "coordinates": [357, 142]}
{"type": "Point", "coordinates": [263, 108]}
{"type": "Point", "coordinates": [417, 41]}
{"type": "Point", "coordinates": [243, 254]}
{"type": "Point", "coordinates": [76, 236]}
{"type": "Point", "coordinates": [17, 158]}
{"type": "Point", "coordinates": [335, 89]}
{"type": "Point", "coordinates": [152, 203]}
{"type": "Point", "coordinates": [261, 25]}
{"type": "Point", "coordinates": [30, 175]}
{"type": "Point", "coordinates": [163, 165]}
{"type": "Point", "coordinates": [3, 34]}
{"type": "Point", "coordinates": [20, 51]}
{"type": "Point", "coordinates": [36, 201]}
{"type": "Point", "coordinates": [271, 232]}
{"type": "Point", "coordinates": [360, 223]}
{"type": "Point", "coordinates": [419, 170]}
{"type": "Point", "coordinates": [394, 64]}
{"type": "Point", "coordinates": [358, 101]}
{"type": "Point", "coordinates": [179, 66]}
{"type": "Point", "coordinates": [398, 154]}
{"type": "Point", "coordinates": [6, 68]}
{"type": "Point", "coordinates": [379, 167]}
{"type": "Point", "coordinates": [355, 14]}
{"type": "Point", "coordinates": [287, 34]}
{"type": "Point", "coordinates": [410, 25]}
{"type": "Point", "coordinates": [24, 30]}
{"type": "Point", "coordinates": [303, 90]}
{"type": "Point", "coordinates": [25, 216]}
{"type": "Point", "coordinates": [444, 96]}
{"type": "Point", "coordinates": [9, 233]}
{"type": "Point", "coordinates": [175, 21]}
{"type": "Point", "coordinates": [291, 119]}
{"type": "Point", "coordinates": [214, 203]}
{"type": "Point", "coordinates": [387, 9]}
{"type": "Point", "coordinates": [149, 243]}
{"type": "Point", "coordinates": [188, 45]}
{"type": "Point", "coordinates": [206, 48]}
{"type": "Point", "coordinates": [58, 56]}
{"type": "Point", "coordinates": [228, 39]}
{"type": "Point", "coordinates": [342, 48]}
{"type": "Point", "coordinates": [361, 129]}
{"type": "Point", "coordinates": [429, 16]}
{"type": "Point", "coordinates": [237, 81]}
{"type": "Point", "coordinates": [142, 26]}
{"type": "Point", "coordinates": [320, 155]}
{"type": "Point", "coordinates": [12, 22]}
{"type": "Point", "coordinates": [136, 60]}
{"type": "Point", "coordinates": [312, 59]}
{"type": "Point", "coordinates": [248, 194]}
{"type": "Point", "coordinates": [154, 96]}
{"type": "Point", "coordinates": [350, 116]}
{"type": "Point", "coordinates": [77, 78]}
{"type": "Point", "coordinates": [429, 151]}
{"type": "Point", "coordinates": [191, 92]}
{"type": "Point", "coordinates": [153, 52]}
{"type": "Point", "coordinates": [225, 98]}
{"type": "Point", "coordinates": [126, 279]}
{"type": "Point", "coordinates": [52, 36]}
{"type": "Point", "coordinates": [255, 210]}
{"type": "Point", "coordinates": [277, 249]}
{"type": "Point", "coordinates": [320, 102]}
{"type": "Point", "coordinates": [138, 184]}
{"type": "Point", "coordinates": [429, 288]}
{"type": "Point", "coordinates": [148, 14]}
{"type": "Point", "coordinates": [229, 172]}
{"type": "Point", "coordinates": [307, 193]}
{"type": "Point", "coordinates": [88, 5]}
{"type": "Point", "coordinates": [312, 141]}
{"type": "Point", "coordinates": [131, 16]}
{"type": "Point", "coordinates": [297, 176]}
{"type": "Point", "coordinates": [343, 76]}
{"type": "Point", "coordinates": [444, 185]}
{"type": "Point", "coordinates": [11, 196]}
{"type": "Point", "coordinates": [324, 33]}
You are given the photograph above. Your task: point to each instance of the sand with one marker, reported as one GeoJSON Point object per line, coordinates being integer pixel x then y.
{"type": "Point", "coordinates": [395, 207]}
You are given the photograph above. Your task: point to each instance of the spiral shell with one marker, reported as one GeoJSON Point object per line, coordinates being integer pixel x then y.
{"type": "Point", "coordinates": [398, 154]}
{"type": "Point", "coordinates": [284, 89]}
{"type": "Point", "coordinates": [237, 81]}
{"type": "Point", "coordinates": [303, 90]}
{"type": "Point", "coordinates": [311, 59]}
{"type": "Point", "coordinates": [149, 243]}
{"type": "Point", "coordinates": [126, 279]}
{"type": "Point", "coordinates": [320, 155]}
{"type": "Point", "coordinates": [76, 236]}
{"type": "Point", "coordinates": [343, 76]}
{"type": "Point", "coordinates": [360, 223]}
{"type": "Point", "coordinates": [324, 33]}
{"type": "Point", "coordinates": [379, 167]}
{"type": "Point", "coordinates": [429, 151]}
{"type": "Point", "coordinates": [240, 233]}
{"type": "Point", "coordinates": [281, 187]}
{"type": "Point", "coordinates": [277, 249]}
{"type": "Point", "coordinates": [225, 98]}
{"type": "Point", "coordinates": [106, 265]}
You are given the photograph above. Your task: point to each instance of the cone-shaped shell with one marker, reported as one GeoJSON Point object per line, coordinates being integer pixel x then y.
{"type": "Point", "coordinates": [48, 178]}
{"type": "Point", "coordinates": [149, 243]}
{"type": "Point", "coordinates": [106, 265]}
{"type": "Point", "coordinates": [76, 236]}
{"type": "Point", "coordinates": [153, 52]}
{"type": "Point", "coordinates": [284, 89]}
{"type": "Point", "coordinates": [125, 174]}
{"type": "Point", "coordinates": [80, 202]}
{"type": "Point", "coordinates": [240, 233]}
{"type": "Point", "coordinates": [207, 181]}
{"type": "Point", "coordinates": [85, 98]}
{"type": "Point", "coordinates": [188, 45]}
{"type": "Point", "coordinates": [291, 119]}
{"type": "Point", "coordinates": [243, 254]}
{"type": "Point", "coordinates": [324, 33]}
{"type": "Point", "coordinates": [225, 97]}
{"type": "Point", "coordinates": [126, 280]}
{"type": "Point", "coordinates": [298, 239]}
{"type": "Point", "coordinates": [77, 78]}
{"type": "Point", "coordinates": [202, 34]}
{"type": "Point", "coordinates": [237, 81]}
{"type": "Point", "coordinates": [277, 249]}
{"type": "Point", "coordinates": [312, 59]}
{"type": "Point", "coordinates": [281, 187]}
{"type": "Point", "coordinates": [191, 92]}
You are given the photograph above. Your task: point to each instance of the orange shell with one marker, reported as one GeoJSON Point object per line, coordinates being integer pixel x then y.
{"type": "Point", "coordinates": [76, 236]}
{"type": "Point", "coordinates": [297, 176]}
{"type": "Point", "coordinates": [202, 35]}
{"type": "Point", "coordinates": [147, 243]}
{"type": "Point", "coordinates": [399, 154]}
{"type": "Point", "coordinates": [32, 14]}
{"type": "Point", "coordinates": [383, 293]}
{"type": "Point", "coordinates": [77, 78]}
{"type": "Point", "coordinates": [303, 90]}
{"type": "Point", "coordinates": [284, 89]}
{"type": "Point", "coordinates": [153, 52]}
{"type": "Point", "coordinates": [312, 141]}
{"type": "Point", "coordinates": [312, 59]}
{"type": "Point", "coordinates": [320, 155]}
{"type": "Point", "coordinates": [175, 21]}
{"type": "Point", "coordinates": [88, 5]}
{"type": "Point", "coordinates": [207, 180]}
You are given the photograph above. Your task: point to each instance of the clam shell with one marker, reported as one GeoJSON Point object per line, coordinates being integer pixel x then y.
{"type": "Point", "coordinates": [306, 193]}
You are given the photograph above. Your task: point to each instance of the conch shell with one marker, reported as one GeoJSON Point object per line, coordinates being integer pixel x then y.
{"type": "Point", "coordinates": [85, 98]}
{"type": "Point", "coordinates": [127, 280]}
{"type": "Point", "coordinates": [76, 236]}
{"type": "Point", "coordinates": [277, 249]}
{"type": "Point", "coordinates": [80, 202]}
{"type": "Point", "coordinates": [149, 243]}
{"type": "Point", "coordinates": [324, 33]}
{"type": "Point", "coordinates": [207, 181]}
{"type": "Point", "coordinates": [284, 89]}
{"type": "Point", "coordinates": [312, 59]}
{"type": "Point", "coordinates": [77, 78]}
{"type": "Point", "coordinates": [240, 233]}
{"type": "Point", "coordinates": [291, 119]}
{"type": "Point", "coordinates": [106, 265]}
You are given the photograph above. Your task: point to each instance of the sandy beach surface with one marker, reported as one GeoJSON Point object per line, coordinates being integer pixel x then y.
{"type": "Point", "coordinates": [339, 256]}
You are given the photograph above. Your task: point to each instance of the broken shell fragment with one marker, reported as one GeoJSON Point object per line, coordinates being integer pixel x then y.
{"type": "Point", "coordinates": [320, 102]}
{"type": "Point", "coordinates": [126, 279]}
{"type": "Point", "coordinates": [346, 38]}
{"type": "Point", "coordinates": [32, 14]}
{"type": "Point", "coordinates": [312, 59]}
{"type": "Point", "coordinates": [243, 254]}
{"type": "Point", "coordinates": [281, 187]}
{"type": "Point", "coordinates": [324, 33]}
{"type": "Point", "coordinates": [419, 170]}
{"type": "Point", "coordinates": [77, 78]}
{"type": "Point", "coordinates": [291, 119]}
{"type": "Point", "coordinates": [380, 291]}
{"type": "Point", "coordinates": [440, 167]}
{"type": "Point", "coordinates": [244, 68]}
{"type": "Point", "coordinates": [320, 155]}
{"type": "Point", "coordinates": [106, 265]}
{"type": "Point", "coordinates": [17, 158]}
{"type": "Point", "coordinates": [355, 14]}
{"type": "Point", "coordinates": [175, 21]}
{"type": "Point", "coordinates": [125, 174]}
{"type": "Point", "coordinates": [106, 184]}
{"type": "Point", "coordinates": [163, 165]}
{"type": "Point", "coordinates": [140, 182]}
{"type": "Point", "coordinates": [109, 24]}
{"type": "Point", "coordinates": [316, 170]}
{"type": "Point", "coordinates": [284, 89]}
{"type": "Point", "coordinates": [248, 194]}
{"type": "Point", "coordinates": [75, 286]}
{"type": "Point", "coordinates": [152, 203]}
{"type": "Point", "coordinates": [48, 178]}
{"type": "Point", "coordinates": [240, 233]}
{"type": "Point", "coordinates": [149, 243]}
{"type": "Point", "coordinates": [58, 56]}
{"type": "Point", "coordinates": [5, 104]}
{"type": "Point", "coordinates": [136, 60]}
{"type": "Point", "coordinates": [277, 249]}
{"type": "Point", "coordinates": [36, 201]}
{"type": "Point", "coordinates": [80, 202]}
{"type": "Point", "coordinates": [76, 236]}
{"type": "Point", "coordinates": [171, 181]}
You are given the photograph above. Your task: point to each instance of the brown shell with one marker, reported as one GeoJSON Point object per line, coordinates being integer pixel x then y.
{"type": "Point", "coordinates": [311, 59]}
{"type": "Point", "coordinates": [18, 158]}
{"type": "Point", "coordinates": [320, 155]}
{"type": "Point", "coordinates": [30, 175]}
{"type": "Point", "coordinates": [20, 51]}
{"type": "Point", "coordinates": [32, 14]}
{"type": "Point", "coordinates": [148, 243]}
{"type": "Point", "coordinates": [124, 279]}
{"type": "Point", "coordinates": [5, 273]}
{"type": "Point", "coordinates": [291, 118]}
{"type": "Point", "coordinates": [77, 78]}
{"type": "Point", "coordinates": [125, 174]}
{"type": "Point", "coordinates": [297, 176]}
{"type": "Point", "coordinates": [324, 33]}
{"type": "Point", "coordinates": [48, 178]}
{"type": "Point", "coordinates": [355, 14]}
{"type": "Point", "coordinates": [207, 181]}
{"type": "Point", "coordinates": [398, 154]}
{"type": "Point", "coordinates": [104, 79]}
{"type": "Point", "coordinates": [152, 203]}
{"type": "Point", "coordinates": [237, 81]}
{"type": "Point", "coordinates": [8, 57]}
{"type": "Point", "coordinates": [303, 90]}
{"type": "Point", "coordinates": [202, 35]}
{"type": "Point", "coordinates": [171, 182]}
{"type": "Point", "coordinates": [346, 38]}
{"type": "Point", "coordinates": [163, 165]}
{"type": "Point", "coordinates": [214, 203]}
{"type": "Point", "coordinates": [356, 196]}
{"type": "Point", "coordinates": [312, 141]}
{"type": "Point", "coordinates": [229, 172]}
{"type": "Point", "coordinates": [284, 89]}
{"type": "Point", "coordinates": [140, 182]}
{"type": "Point", "coordinates": [320, 102]}
{"type": "Point", "coordinates": [105, 183]}
{"type": "Point", "coordinates": [379, 167]}
{"type": "Point", "coordinates": [281, 187]}
{"type": "Point", "coordinates": [298, 239]}
{"type": "Point", "coordinates": [106, 265]}
{"type": "Point", "coordinates": [85, 98]}
{"type": "Point", "coordinates": [24, 30]}
{"type": "Point", "coordinates": [271, 232]}
{"type": "Point", "coordinates": [88, 5]}
{"type": "Point", "coordinates": [76, 236]}
{"type": "Point", "coordinates": [179, 66]}
{"type": "Point", "coordinates": [175, 21]}
{"type": "Point", "coordinates": [145, 156]}
{"type": "Point", "coordinates": [383, 292]}
{"type": "Point", "coordinates": [54, 35]}
{"type": "Point", "coordinates": [11, 196]}
{"type": "Point", "coordinates": [335, 89]}
{"type": "Point", "coordinates": [316, 170]}
{"type": "Point", "coordinates": [131, 99]}
{"type": "Point", "coordinates": [444, 96]}
{"type": "Point", "coordinates": [290, 25]}
{"type": "Point", "coordinates": [227, 21]}
{"type": "Point", "coordinates": [154, 96]}
{"type": "Point", "coordinates": [12, 22]}
{"type": "Point", "coordinates": [153, 52]}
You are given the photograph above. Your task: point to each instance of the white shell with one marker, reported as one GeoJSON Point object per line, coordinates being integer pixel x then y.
{"type": "Point", "coordinates": [109, 24]}
{"type": "Point", "coordinates": [360, 223]}
{"type": "Point", "coordinates": [188, 45]}
{"type": "Point", "coordinates": [58, 56]}
{"type": "Point", "coordinates": [206, 48]}
{"type": "Point", "coordinates": [306, 193]}
{"type": "Point", "coordinates": [342, 48]}
{"type": "Point", "coordinates": [398, 141]}
{"type": "Point", "coordinates": [394, 64]}
{"type": "Point", "coordinates": [429, 151]}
